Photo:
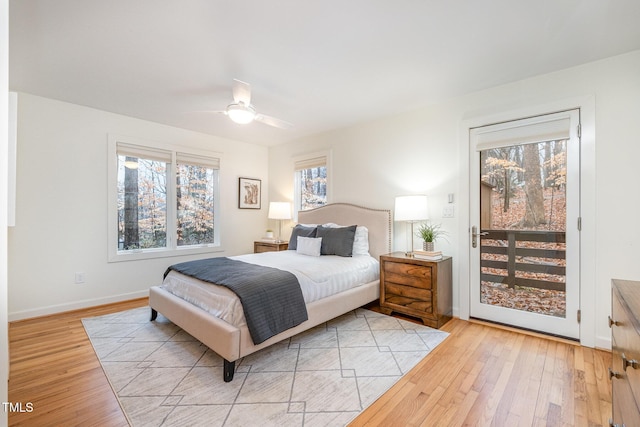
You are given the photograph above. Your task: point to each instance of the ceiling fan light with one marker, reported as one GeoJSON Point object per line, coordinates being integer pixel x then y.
{"type": "Point", "coordinates": [241, 114]}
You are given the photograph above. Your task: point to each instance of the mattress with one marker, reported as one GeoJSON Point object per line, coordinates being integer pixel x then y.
{"type": "Point", "coordinates": [319, 277]}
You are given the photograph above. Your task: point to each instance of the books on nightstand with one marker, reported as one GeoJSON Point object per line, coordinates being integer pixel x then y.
{"type": "Point", "coordinates": [428, 255]}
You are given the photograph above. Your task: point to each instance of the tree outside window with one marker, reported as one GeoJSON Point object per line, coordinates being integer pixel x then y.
{"type": "Point", "coordinates": [142, 203]}
{"type": "Point", "coordinates": [313, 187]}
{"type": "Point", "coordinates": [195, 205]}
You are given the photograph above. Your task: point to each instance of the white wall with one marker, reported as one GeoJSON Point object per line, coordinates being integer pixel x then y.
{"type": "Point", "coordinates": [4, 154]}
{"type": "Point", "coordinates": [422, 152]}
{"type": "Point", "coordinates": [61, 207]}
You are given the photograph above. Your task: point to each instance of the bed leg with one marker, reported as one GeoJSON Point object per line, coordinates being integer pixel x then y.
{"type": "Point", "coordinates": [228, 370]}
{"type": "Point", "coordinates": [154, 315]}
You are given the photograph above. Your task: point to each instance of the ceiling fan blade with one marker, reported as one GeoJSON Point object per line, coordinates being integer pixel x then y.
{"type": "Point", "coordinates": [209, 111]}
{"type": "Point", "coordinates": [272, 121]}
{"type": "Point", "coordinates": [241, 92]}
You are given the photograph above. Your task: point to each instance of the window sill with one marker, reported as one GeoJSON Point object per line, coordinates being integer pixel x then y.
{"type": "Point", "coordinates": [121, 256]}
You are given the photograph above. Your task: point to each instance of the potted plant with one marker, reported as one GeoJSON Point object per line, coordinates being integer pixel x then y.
{"type": "Point", "coordinates": [429, 233]}
{"type": "Point", "coordinates": [269, 234]}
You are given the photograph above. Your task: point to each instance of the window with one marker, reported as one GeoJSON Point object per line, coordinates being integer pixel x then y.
{"type": "Point", "coordinates": [142, 198]}
{"type": "Point", "coordinates": [311, 179]}
{"type": "Point", "coordinates": [163, 201]}
{"type": "Point", "coordinates": [195, 189]}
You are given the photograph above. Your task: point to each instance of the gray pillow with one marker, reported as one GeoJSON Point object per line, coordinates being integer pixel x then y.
{"type": "Point", "coordinates": [302, 231]}
{"type": "Point", "coordinates": [337, 241]}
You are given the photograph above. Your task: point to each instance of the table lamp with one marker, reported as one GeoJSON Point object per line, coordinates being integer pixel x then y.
{"type": "Point", "coordinates": [279, 211]}
{"type": "Point", "coordinates": [411, 209]}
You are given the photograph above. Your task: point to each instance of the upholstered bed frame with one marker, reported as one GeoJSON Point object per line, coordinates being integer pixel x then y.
{"type": "Point", "coordinates": [231, 342]}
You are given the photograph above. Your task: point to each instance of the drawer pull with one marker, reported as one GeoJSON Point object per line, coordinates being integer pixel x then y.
{"type": "Point", "coordinates": [613, 374]}
{"type": "Point", "coordinates": [611, 424]}
{"type": "Point", "coordinates": [613, 322]}
{"type": "Point", "coordinates": [626, 363]}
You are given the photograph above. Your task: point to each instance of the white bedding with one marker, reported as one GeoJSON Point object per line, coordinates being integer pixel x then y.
{"type": "Point", "coordinates": [319, 277]}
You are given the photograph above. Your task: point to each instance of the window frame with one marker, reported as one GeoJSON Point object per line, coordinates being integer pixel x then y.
{"type": "Point", "coordinates": [172, 249]}
{"type": "Point", "coordinates": [304, 158]}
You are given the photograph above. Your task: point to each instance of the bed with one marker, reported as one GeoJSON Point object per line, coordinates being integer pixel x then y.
{"type": "Point", "coordinates": [233, 342]}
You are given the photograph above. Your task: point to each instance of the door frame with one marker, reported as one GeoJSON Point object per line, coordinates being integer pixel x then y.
{"type": "Point", "coordinates": [586, 105]}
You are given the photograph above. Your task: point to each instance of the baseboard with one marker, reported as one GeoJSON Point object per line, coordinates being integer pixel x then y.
{"type": "Point", "coordinates": [603, 343]}
{"type": "Point", "coordinates": [76, 305]}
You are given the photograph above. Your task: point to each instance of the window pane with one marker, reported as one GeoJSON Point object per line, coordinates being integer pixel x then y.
{"type": "Point", "coordinates": [313, 187]}
{"type": "Point", "coordinates": [142, 203]}
{"type": "Point", "coordinates": [195, 198]}
{"type": "Point", "coordinates": [523, 214]}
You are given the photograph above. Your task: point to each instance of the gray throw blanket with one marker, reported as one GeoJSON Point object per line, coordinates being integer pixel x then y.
{"type": "Point", "coordinates": [271, 298]}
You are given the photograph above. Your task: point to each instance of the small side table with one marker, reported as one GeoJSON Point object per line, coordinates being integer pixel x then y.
{"type": "Point", "coordinates": [260, 246]}
{"type": "Point", "coordinates": [416, 287]}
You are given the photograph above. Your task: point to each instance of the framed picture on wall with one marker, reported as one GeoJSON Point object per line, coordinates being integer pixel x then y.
{"type": "Point", "coordinates": [249, 193]}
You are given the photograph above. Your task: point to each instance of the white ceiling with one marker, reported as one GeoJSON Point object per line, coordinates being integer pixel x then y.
{"type": "Point", "coordinates": [320, 65]}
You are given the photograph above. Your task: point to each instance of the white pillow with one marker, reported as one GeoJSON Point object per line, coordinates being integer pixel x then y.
{"type": "Point", "coordinates": [361, 240]}
{"type": "Point", "coordinates": [309, 245]}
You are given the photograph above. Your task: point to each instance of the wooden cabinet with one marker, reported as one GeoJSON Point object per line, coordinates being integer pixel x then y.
{"type": "Point", "coordinates": [625, 340]}
{"type": "Point", "coordinates": [416, 287]}
{"type": "Point", "coordinates": [260, 246]}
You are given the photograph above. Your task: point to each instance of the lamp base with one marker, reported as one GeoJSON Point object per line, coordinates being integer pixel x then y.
{"type": "Point", "coordinates": [279, 239]}
{"type": "Point", "coordinates": [409, 253]}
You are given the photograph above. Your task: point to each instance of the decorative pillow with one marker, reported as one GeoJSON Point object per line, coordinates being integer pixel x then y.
{"type": "Point", "coordinates": [309, 245]}
{"type": "Point", "coordinates": [337, 241]}
{"type": "Point", "coordinates": [361, 241]}
{"type": "Point", "coordinates": [300, 230]}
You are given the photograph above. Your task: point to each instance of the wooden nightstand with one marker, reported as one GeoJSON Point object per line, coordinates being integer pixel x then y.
{"type": "Point", "coordinates": [416, 287]}
{"type": "Point", "coordinates": [260, 246]}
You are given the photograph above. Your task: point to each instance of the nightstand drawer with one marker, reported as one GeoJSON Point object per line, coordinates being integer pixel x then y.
{"type": "Point", "coordinates": [409, 297]}
{"type": "Point", "coordinates": [259, 247]}
{"type": "Point", "coordinates": [417, 276]}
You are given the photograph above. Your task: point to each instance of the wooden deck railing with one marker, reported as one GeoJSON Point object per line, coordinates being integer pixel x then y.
{"type": "Point", "coordinates": [523, 259]}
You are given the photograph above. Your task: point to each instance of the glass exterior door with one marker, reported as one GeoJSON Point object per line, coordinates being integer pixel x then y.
{"type": "Point", "coordinates": [525, 237]}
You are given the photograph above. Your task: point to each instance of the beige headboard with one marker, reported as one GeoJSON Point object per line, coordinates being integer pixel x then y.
{"type": "Point", "coordinates": [378, 221]}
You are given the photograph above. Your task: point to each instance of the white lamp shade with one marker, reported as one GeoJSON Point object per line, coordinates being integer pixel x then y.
{"type": "Point", "coordinates": [411, 208]}
{"type": "Point", "coordinates": [279, 210]}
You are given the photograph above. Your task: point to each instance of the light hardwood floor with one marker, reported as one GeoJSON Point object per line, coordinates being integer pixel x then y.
{"type": "Point", "coordinates": [480, 375]}
{"type": "Point", "coordinates": [483, 375]}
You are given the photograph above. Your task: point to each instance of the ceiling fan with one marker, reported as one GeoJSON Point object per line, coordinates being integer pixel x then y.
{"type": "Point", "coordinates": [242, 112]}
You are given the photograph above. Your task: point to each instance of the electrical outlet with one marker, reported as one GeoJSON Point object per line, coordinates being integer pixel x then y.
{"type": "Point", "coordinates": [79, 277]}
{"type": "Point", "coordinates": [448, 212]}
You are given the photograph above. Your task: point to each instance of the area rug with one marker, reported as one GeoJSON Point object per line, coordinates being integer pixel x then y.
{"type": "Point", "coordinates": [322, 377]}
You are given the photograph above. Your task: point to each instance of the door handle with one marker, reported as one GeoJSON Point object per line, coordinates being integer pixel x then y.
{"type": "Point", "coordinates": [475, 234]}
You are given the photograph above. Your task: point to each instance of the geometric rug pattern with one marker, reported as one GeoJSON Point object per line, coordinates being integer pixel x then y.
{"type": "Point", "coordinates": [322, 377]}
